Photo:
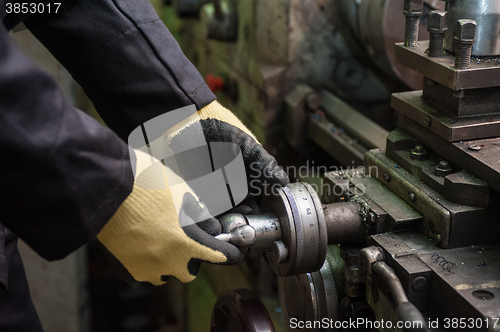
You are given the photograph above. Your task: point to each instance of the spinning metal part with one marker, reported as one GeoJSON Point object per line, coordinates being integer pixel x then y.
{"type": "Point", "coordinates": [310, 296]}
{"type": "Point", "coordinates": [240, 311]}
{"type": "Point", "coordinates": [293, 232]}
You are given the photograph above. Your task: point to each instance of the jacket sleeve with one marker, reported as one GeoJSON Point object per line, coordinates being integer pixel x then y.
{"type": "Point", "coordinates": [63, 174]}
{"type": "Point", "coordinates": [125, 59]}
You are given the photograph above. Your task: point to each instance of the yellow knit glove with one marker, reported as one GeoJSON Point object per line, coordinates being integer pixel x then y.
{"type": "Point", "coordinates": [146, 237]}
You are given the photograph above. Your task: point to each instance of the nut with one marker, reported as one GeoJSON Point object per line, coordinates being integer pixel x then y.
{"type": "Point", "coordinates": [466, 31]}
{"type": "Point", "coordinates": [437, 21]}
{"type": "Point", "coordinates": [443, 168]}
{"type": "Point", "coordinates": [418, 153]}
{"type": "Point", "coordinates": [413, 7]}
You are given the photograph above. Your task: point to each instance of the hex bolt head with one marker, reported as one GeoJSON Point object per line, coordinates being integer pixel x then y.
{"type": "Point", "coordinates": [437, 21]}
{"type": "Point", "coordinates": [436, 27]}
{"type": "Point", "coordinates": [412, 10]}
{"type": "Point", "coordinates": [413, 7]}
{"type": "Point", "coordinates": [419, 153]}
{"type": "Point", "coordinates": [443, 168]}
{"type": "Point", "coordinates": [465, 36]}
{"type": "Point", "coordinates": [466, 31]}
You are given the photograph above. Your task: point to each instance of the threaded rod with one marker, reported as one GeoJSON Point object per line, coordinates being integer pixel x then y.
{"type": "Point", "coordinates": [411, 31]}
{"type": "Point", "coordinates": [462, 55]}
{"type": "Point", "coordinates": [436, 45]}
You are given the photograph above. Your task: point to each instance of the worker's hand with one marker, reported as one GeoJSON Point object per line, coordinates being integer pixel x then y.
{"type": "Point", "coordinates": [146, 235]}
{"type": "Point", "coordinates": [221, 125]}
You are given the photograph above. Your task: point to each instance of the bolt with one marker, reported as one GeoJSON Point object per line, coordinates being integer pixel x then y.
{"type": "Point", "coordinates": [412, 9]}
{"type": "Point", "coordinates": [419, 283]}
{"type": "Point", "coordinates": [464, 38]}
{"type": "Point", "coordinates": [412, 197]}
{"type": "Point", "coordinates": [387, 177]}
{"type": "Point", "coordinates": [418, 153]}
{"type": "Point", "coordinates": [427, 121]}
{"type": "Point", "coordinates": [437, 26]}
{"type": "Point", "coordinates": [443, 168]}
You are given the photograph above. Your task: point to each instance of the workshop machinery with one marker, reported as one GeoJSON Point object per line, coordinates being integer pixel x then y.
{"type": "Point", "coordinates": [411, 235]}
{"type": "Point", "coordinates": [418, 227]}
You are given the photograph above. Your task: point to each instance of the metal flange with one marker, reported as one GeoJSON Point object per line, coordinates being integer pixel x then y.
{"type": "Point", "coordinates": [309, 297]}
{"type": "Point", "coordinates": [303, 230]}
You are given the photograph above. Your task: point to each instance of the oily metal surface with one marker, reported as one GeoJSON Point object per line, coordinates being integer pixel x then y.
{"type": "Point", "coordinates": [482, 163]}
{"type": "Point", "coordinates": [340, 145]}
{"type": "Point", "coordinates": [480, 75]}
{"type": "Point", "coordinates": [459, 186]}
{"type": "Point", "coordinates": [472, 286]}
{"type": "Point", "coordinates": [427, 117]}
{"type": "Point", "coordinates": [447, 223]}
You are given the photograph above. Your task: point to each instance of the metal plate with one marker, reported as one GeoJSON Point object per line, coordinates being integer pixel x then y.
{"type": "Point", "coordinates": [452, 129]}
{"type": "Point", "coordinates": [479, 75]}
{"type": "Point", "coordinates": [484, 164]}
{"type": "Point", "coordinates": [449, 224]}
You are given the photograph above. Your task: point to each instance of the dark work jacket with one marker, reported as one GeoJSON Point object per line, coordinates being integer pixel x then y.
{"type": "Point", "coordinates": [63, 174]}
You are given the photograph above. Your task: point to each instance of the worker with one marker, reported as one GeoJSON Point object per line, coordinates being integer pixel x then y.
{"type": "Point", "coordinates": [66, 179]}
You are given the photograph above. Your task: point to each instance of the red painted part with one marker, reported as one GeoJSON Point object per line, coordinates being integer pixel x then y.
{"type": "Point", "coordinates": [214, 83]}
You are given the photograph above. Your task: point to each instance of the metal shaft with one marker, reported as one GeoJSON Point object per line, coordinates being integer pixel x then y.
{"type": "Point", "coordinates": [344, 223]}
{"type": "Point", "coordinates": [464, 38]}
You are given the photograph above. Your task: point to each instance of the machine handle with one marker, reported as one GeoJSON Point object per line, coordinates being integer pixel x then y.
{"type": "Point", "coordinates": [407, 312]}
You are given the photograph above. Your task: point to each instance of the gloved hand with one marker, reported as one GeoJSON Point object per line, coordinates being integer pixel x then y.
{"type": "Point", "coordinates": [221, 125]}
{"type": "Point", "coordinates": [146, 237]}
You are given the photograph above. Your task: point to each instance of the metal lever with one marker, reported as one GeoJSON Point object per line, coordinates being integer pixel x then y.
{"type": "Point", "coordinates": [243, 236]}
{"type": "Point", "coordinates": [371, 260]}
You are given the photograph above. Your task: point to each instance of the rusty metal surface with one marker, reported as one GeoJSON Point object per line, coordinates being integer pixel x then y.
{"type": "Point", "coordinates": [411, 105]}
{"type": "Point", "coordinates": [480, 75]}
